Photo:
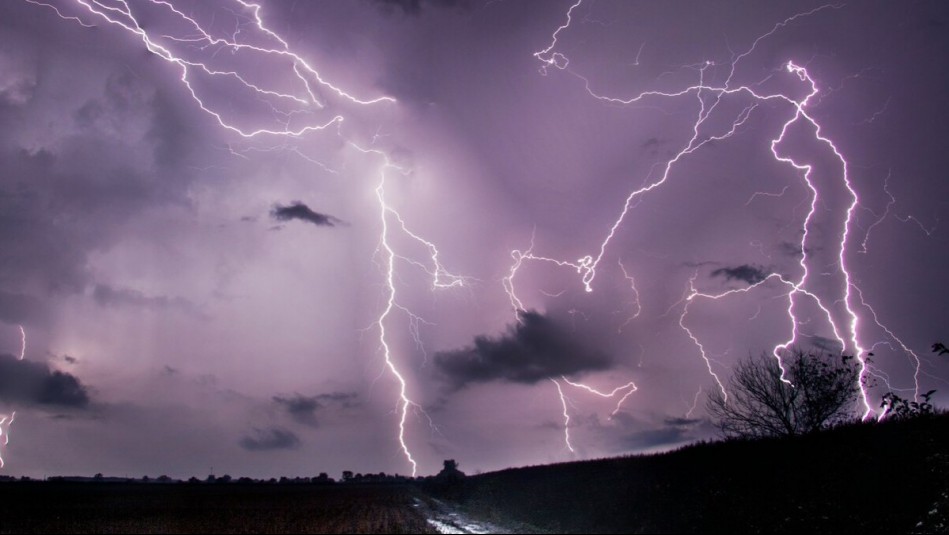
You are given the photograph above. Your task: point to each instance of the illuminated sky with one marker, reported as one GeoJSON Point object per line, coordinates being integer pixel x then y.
{"type": "Point", "coordinates": [207, 276]}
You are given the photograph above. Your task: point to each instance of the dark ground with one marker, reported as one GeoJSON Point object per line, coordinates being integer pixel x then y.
{"type": "Point", "coordinates": [864, 478]}
{"type": "Point", "coordinates": [57, 507]}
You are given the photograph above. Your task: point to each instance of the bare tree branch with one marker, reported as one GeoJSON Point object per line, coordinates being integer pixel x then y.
{"type": "Point", "coordinates": [819, 392]}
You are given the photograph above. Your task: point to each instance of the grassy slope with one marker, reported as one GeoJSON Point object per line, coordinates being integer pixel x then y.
{"type": "Point", "coordinates": [859, 478]}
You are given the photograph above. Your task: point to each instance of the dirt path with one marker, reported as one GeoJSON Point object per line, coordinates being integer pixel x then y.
{"type": "Point", "coordinates": [446, 518]}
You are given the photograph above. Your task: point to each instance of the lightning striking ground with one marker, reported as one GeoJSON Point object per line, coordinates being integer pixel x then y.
{"type": "Point", "coordinates": [309, 102]}
{"type": "Point", "coordinates": [846, 329]}
{"type": "Point", "coordinates": [286, 104]}
{"type": "Point", "coordinates": [7, 420]}
{"type": "Point", "coordinates": [441, 279]}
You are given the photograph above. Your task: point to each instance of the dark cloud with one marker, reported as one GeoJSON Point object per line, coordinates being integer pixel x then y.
{"type": "Point", "coordinates": [794, 250]}
{"type": "Point", "coordinates": [270, 439]}
{"type": "Point", "coordinates": [25, 382]}
{"type": "Point", "coordinates": [530, 351]}
{"type": "Point", "coordinates": [414, 7]}
{"type": "Point", "coordinates": [302, 212]}
{"type": "Point", "coordinates": [682, 422]}
{"type": "Point", "coordinates": [651, 438]}
{"type": "Point", "coordinates": [745, 272]}
{"type": "Point", "coordinates": [345, 399]}
{"type": "Point", "coordinates": [112, 155]}
{"type": "Point", "coordinates": [303, 409]}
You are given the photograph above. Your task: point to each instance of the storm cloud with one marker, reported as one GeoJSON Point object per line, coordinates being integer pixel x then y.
{"type": "Point", "coordinates": [270, 439]}
{"type": "Point", "coordinates": [745, 273]}
{"type": "Point", "coordinates": [302, 409]}
{"type": "Point", "coordinates": [530, 351]}
{"type": "Point", "coordinates": [24, 382]}
{"type": "Point", "coordinates": [299, 211]}
{"type": "Point", "coordinates": [413, 7]}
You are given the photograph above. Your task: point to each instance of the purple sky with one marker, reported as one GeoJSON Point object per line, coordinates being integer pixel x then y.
{"type": "Point", "coordinates": [195, 296]}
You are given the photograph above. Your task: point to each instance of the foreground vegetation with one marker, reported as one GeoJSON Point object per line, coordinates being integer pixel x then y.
{"type": "Point", "coordinates": [101, 507]}
{"type": "Point", "coordinates": [863, 477]}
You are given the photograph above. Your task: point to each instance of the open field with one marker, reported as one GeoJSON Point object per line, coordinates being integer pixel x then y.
{"type": "Point", "coordinates": [57, 507]}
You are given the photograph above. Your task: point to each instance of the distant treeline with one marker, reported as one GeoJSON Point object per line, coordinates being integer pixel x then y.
{"type": "Point", "coordinates": [322, 479]}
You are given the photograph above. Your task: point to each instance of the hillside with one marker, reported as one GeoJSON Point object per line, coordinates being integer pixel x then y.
{"type": "Point", "coordinates": [870, 478]}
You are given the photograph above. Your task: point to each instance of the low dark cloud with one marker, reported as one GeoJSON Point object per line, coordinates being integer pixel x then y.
{"type": "Point", "coordinates": [745, 273]}
{"type": "Point", "coordinates": [794, 250]}
{"type": "Point", "coordinates": [270, 439]}
{"type": "Point", "coordinates": [24, 382]}
{"type": "Point", "coordinates": [414, 7]}
{"type": "Point", "coordinates": [302, 409]}
{"type": "Point", "coordinates": [298, 210]}
{"type": "Point", "coordinates": [651, 438]}
{"type": "Point", "coordinates": [530, 351]}
{"type": "Point", "coordinates": [682, 422]}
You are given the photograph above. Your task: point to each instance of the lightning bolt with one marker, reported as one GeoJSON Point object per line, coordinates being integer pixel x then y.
{"type": "Point", "coordinates": [695, 402]}
{"type": "Point", "coordinates": [8, 420]}
{"type": "Point", "coordinates": [566, 416]}
{"type": "Point", "coordinates": [311, 95]}
{"type": "Point", "coordinates": [886, 212]}
{"type": "Point", "coordinates": [286, 105]}
{"type": "Point", "coordinates": [629, 388]}
{"type": "Point", "coordinates": [846, 329]}
{"type": "Point", "coordinates": [22, 342]}
{"type": "Point", "coordinates": [632, 285]}
{"type": "Point", "coordinates": [441, 279]}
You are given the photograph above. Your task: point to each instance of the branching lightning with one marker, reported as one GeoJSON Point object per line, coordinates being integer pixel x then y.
{"type": "Point", "coordinates": [311, 96]}
{"type": "Point", "coordinates": [304, 99]}
{"type": "Point", "coordinates": [847, 329]}
{"type": "Point", "coordinates": [441, 279]}
{"type": "Point", "coordinates": [628, 388]}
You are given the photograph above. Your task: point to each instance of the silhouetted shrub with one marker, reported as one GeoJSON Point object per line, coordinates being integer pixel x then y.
{"type": "Point", "coordinates": [896, 407]}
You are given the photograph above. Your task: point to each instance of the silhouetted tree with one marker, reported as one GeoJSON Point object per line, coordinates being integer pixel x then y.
{"type": "Point", "coordinates": [814, 393]}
